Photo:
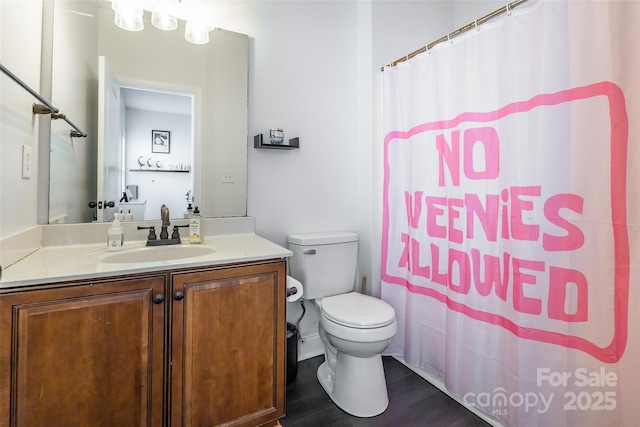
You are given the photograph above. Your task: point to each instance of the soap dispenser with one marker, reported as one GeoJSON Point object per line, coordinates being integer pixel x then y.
{"type": "Point", "coordinates": [196, 233]}
{"type": "Point", "coordinates": [115, 236]}
{"type": "Point", "coordinates": [189, 212]}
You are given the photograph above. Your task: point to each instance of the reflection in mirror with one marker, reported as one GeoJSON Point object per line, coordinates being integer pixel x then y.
{"type": "Point", "coordinates": [214, 76]}
{"type": "Point", "coordinates": [158, 152]}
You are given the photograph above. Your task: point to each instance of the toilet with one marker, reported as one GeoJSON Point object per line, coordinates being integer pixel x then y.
{"type": "Point", "coordinates": [354, 328]}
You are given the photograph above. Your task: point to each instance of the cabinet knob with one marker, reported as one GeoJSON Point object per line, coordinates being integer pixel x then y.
{"type": "Point", "coordinates": [158, 298]}
{"type": "Point", "coordinates": [178, 295]}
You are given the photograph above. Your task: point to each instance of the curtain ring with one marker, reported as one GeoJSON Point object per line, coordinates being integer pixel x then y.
{"type": "Point", "coordinates": [508, 10]}
{"type": "Point", "coordinates": [449, 38]}
{"type": "Point", "coordinates": [476, 25]}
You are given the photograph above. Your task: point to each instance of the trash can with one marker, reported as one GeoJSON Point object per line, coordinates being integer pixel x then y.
{"type": "Point", "coordinates": [292, 352]}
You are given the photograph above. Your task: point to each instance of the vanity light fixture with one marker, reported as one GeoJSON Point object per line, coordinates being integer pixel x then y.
{"type": "Point", "coordinates": [164, 16]}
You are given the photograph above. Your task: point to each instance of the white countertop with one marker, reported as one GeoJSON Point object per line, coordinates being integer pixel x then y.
{"type": "Point", "coordinates": [83, 261]}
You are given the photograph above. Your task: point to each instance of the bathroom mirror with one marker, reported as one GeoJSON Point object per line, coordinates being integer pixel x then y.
{"type": "Point", "coordinates": [213, 76]}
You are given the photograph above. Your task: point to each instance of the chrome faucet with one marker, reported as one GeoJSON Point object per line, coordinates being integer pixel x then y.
{"type": "Point", "coordinates": [152, 239]}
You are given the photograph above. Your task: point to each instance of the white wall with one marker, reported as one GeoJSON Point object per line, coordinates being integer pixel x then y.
{"type": "Point", "coordinates": [158, 188]}
{"type": "Point", "coordinates": [19, 21]}
{"type": "Point", "coordinates": [303, 79]}
{"type": "Point", "coordinates": [467, 11]}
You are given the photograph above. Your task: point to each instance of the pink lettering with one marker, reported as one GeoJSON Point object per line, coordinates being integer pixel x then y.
{"type": "Point", "coordinates": [464, 271]}
{"type": "Point", "coordinates": [559, 278]}
{"type": "Point", "coordinates": [574, 239]}
{"type": "Point", "coordinates": [455, 234]}
{"type": "Point", "coordinates": [522, 303]}
{"type": "Point", "coordinates": [488, 216]}
{"type": "Point", "coordinates": [491, 274]}
{"type": "Point", "coordinates": [434, 210]}
{"type": "Point", "coordinates": [414, 208]}
{"type": "Point", "coordinates": [450, 156]}
{"type": "Point", "coordinates": [439, 278]}
{"type": "Point", "coordinates": [404, 257]}
{"type": "Point", "coordinates": [505, 214]}
{"type": "Point", "coordinates": [488, 137]}
{"type": "Point", "coordinates": [520, 230]}
{"type": "Point", "coordinates": [417, 269]}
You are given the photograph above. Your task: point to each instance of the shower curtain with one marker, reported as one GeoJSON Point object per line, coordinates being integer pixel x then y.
{"type": "Point", "coordinates": [511, 214]}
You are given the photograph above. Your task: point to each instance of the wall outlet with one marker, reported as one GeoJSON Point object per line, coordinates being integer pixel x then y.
{"type": "Point", "coordinates": [26, 162]}
{"type": "Point", "coordinates": [227, 177]}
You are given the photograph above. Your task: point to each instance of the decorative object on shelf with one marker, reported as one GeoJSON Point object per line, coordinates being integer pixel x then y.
{"type": "Point", "coordinates": [148, 165]}
{"type": "Point", "coordinates": [276, 136]}
{"type": "Point", "coordinates": [292, 144]}
{"type": "Point", "coordinates": [159, 170]}
{"type": "Point", "coordinates": [160, 141]}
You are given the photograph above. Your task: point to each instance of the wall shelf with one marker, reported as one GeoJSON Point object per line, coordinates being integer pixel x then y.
{"type": "Point", "coordinates": [157, 170]}
{"type": "Point", "coordinates": [293, 144]}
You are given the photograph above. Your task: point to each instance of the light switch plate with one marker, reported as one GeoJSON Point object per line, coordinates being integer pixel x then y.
{"type": "Point", "coordinates": [26, 162]}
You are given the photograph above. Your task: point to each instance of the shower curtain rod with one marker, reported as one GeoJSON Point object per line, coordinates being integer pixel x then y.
{"type": "Point", "coordinates": [459, 31]}
{"type": "Point", "coordinates": [55, 113]}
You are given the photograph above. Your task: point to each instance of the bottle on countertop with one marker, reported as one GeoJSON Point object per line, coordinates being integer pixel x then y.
{"type": "Point", "coordinates": [115, 237]}
{"type": "Point", "coordinates": [189, 212]}
{"type": "Point", "coordinates": [128, 216]}
{"type": "Point", "coordinates": [196, 233]}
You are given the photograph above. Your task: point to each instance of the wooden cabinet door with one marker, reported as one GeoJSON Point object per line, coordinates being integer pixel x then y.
{"type": "Point", "coordinates": [228, 332]}
{"type": "Point", "coordinates": [90, 354]}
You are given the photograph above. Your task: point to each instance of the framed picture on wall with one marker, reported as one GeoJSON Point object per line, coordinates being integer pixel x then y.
{"type": "Point", "coordinates": [160, 141]}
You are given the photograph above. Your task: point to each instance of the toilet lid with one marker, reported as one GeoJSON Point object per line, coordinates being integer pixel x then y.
{"type": "Point", "coordinates": [357, 311]}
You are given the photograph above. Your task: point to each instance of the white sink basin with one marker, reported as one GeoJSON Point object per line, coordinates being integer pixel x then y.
{"type": "Point", "coordinates": [157, 254]}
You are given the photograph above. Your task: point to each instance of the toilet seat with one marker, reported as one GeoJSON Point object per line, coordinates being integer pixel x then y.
{"type": "Point", "coordinates": [356, 310]}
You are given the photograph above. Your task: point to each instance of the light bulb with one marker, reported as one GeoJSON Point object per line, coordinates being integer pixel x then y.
{"type": "Point", "coordinates": [197, 32]}
{"type": "Point", "coordinates": [127, 17]}
{"type": "Point", "coordinates": [164, 21]}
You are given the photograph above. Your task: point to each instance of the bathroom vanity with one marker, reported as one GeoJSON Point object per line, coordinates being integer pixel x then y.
{"type": "Point", "coordinates": [196, 341]}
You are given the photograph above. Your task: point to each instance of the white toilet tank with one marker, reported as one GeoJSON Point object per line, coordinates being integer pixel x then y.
{"type": "Point", "coordinates": [325, 263]}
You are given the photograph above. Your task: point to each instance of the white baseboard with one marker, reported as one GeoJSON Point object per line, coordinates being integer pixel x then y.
{"type": "Point", "coordinates": [310, 347]}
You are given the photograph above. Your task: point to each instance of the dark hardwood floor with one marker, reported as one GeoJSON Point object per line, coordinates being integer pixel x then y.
{"type": "Point", "coordinates": [412, 402]}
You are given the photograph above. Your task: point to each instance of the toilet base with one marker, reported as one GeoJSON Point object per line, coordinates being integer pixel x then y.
{"type": "Point", "coordinates": [358, 386]}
